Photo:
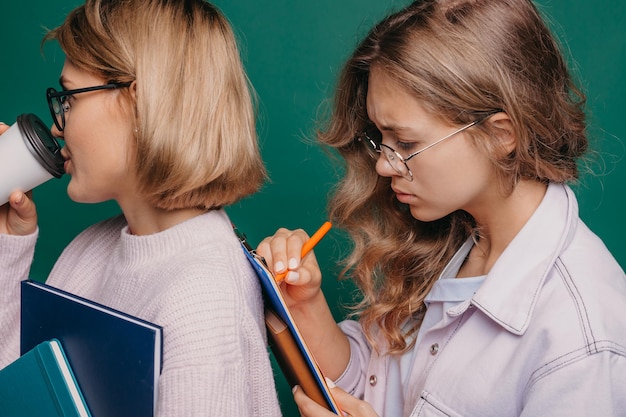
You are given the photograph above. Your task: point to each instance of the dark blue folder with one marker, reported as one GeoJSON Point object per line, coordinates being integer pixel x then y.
{"type": "Point", "coordinates": [116, 358]}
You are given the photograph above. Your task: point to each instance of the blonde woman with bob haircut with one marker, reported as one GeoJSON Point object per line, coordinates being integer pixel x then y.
{"type": "Point", "coordinates": [156, 113]}
{"type": "Point", "coordinates": [483, 293]}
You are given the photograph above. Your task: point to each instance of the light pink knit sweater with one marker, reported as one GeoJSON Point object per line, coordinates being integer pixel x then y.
{"type": "Point", "coordinates": [193, 280]}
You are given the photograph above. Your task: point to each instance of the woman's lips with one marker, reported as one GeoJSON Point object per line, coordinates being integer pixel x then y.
{"type": "Point", "coordinates": [403, 197]}
{"type": "Point", "coordinates": [67, 159]}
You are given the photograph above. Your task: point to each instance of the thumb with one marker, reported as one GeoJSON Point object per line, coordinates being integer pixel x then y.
{"type": "Point", "coordinates": [3, 127]}
{"type": "Point", "coordinates": [22, 220]}
{"type": "Point", "coordinates": [350, 405]}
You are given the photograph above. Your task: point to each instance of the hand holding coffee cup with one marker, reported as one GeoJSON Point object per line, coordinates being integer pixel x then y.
{"type": "Point", "coordinates": [29, 156]}
{"type": "Point", "coordinates": [19, 216]}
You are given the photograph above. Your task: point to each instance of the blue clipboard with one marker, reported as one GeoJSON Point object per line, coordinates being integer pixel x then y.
{"type": "Point", "coordinates": [275, 303]}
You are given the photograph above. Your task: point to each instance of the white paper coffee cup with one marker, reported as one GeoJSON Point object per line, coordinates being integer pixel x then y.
{"type": "Point", "coordinates": [29, 156]}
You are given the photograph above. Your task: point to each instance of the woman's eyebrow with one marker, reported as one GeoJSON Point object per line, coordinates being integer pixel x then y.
{"type": "Point", "coordinates": [62, 82]}
{"type": "Point", "coordinates": [394, 128]}
{"type": "Point", "coordinates": [409, 132]}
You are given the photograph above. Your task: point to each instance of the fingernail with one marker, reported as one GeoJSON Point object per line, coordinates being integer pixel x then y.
{"type": "Point", "coordinates": [294, 389]}
{"type": "Point", "coordinates": [3, 124]}
{"type": "Point", "coordinates": [292, 277]}
{"type": "Point", "coordinates": [19, 199]}
{"type": "Point", "coordinates": [330, 383]}
{"type": "Point", "coordinates": [293, 263]}
{"type": "Point", "coordinates": [279, 266]}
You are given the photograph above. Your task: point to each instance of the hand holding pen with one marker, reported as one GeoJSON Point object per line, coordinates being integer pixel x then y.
{"type": "Point", "coordinates": [308, 246]}
{"type": "Point", "coordinates": [287, 253]}
{"type": "Point", "coordinates": [284, 253]}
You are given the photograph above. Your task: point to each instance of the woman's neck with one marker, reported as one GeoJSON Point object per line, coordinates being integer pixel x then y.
{"type": "Point", "coordinates": [144, 219]}
{"type": "Point", "coordinates": [499, 224]}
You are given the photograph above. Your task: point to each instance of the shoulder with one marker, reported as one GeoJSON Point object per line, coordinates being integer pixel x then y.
{"type": "Point", "coordinates": [582, 307]}
{"type": "Point", "coordinates": [586, 245]}
{"type": "Point", "coordinates": [213, 256]}
{"type": "Point", "coordinates": [588, 268]}
{"type": "Point", "coordinates": [211, 269]}
{"type": "Point", "coordinates": [596, 282]}
{"type": "Point", "coordinates": [206, 293]}
{"type": "Point", "coordinates": [211, 306]}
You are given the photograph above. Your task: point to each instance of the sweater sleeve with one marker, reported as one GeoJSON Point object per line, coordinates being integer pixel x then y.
{"type": "Point", "coordinates": [16, 256]}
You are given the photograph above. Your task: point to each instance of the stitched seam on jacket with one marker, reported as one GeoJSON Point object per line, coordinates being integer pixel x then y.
{"type": "Point", "coordinates": [579, 304]}
{"type": "Point", "coordinates": [600, 346]}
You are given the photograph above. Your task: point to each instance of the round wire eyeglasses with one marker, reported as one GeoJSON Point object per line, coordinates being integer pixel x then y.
{"type": "Point", "coordinates": [372, 140]}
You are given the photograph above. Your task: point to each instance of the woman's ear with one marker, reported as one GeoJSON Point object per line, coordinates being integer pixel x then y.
{"type": "Point", "coordinates": [133, 90]}
{"type": "Point", "coordinates": [133, 95]}
{"type": "Point", "coordinates": [501, 128]}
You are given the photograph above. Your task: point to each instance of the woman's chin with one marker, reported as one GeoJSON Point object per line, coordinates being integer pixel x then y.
{"type": "Point", "coordinates": [79, 195]}
{"type": "Point", "coordinates": [426, 216]}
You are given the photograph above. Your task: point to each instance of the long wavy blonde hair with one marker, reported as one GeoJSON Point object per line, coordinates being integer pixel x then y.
{"type": "Point", "coordinates": [462, 59]}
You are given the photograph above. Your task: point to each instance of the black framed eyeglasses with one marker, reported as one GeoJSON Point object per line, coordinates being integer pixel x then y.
{"type": "Point", "coordinates": [372, 140]}
{"type": "Point", "coordinates": [57, 100]}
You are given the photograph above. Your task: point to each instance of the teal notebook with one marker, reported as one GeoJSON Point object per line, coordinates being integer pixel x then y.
{"type": "Point", "coordinates": [41, 383]}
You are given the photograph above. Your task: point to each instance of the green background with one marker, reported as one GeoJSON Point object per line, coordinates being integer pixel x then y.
{"type": "Point", "coordinates": [293, 52]}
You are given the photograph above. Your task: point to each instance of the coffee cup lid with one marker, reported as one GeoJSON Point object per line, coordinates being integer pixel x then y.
{"type": "Point", "coordinates": [41, 143]}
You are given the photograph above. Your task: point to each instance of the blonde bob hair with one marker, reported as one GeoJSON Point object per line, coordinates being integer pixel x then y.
{"type": "Point", "coordinates": [463, 59]}
{"type": "Point", "coordinates": [195, 137]}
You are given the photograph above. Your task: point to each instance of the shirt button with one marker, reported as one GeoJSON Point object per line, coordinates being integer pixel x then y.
{"type": "Point", "coordinates": [434, 348]}
{"type": "Point", "coordinates": [373, 380]}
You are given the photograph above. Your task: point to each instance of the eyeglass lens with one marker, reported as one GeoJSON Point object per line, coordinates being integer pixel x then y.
{"type": "Point", "coordinates": [395, 160]}
{"type": "Point", "coordinates": [372, 140]}
{"type": "Point", "coordinates": [57, 108]}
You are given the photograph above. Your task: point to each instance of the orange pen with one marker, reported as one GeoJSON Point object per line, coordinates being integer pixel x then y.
{"type": "Point", "coordinates": [308, 245]}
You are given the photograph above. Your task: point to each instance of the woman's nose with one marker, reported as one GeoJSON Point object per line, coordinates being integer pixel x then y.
{"type": "Point", "coordinates": [383, 167]}
{"type": "Point", "coordinates": [56, 132]}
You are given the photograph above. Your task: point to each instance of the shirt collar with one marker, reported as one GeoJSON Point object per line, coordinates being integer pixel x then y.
{"type": "Point", "coordinates": [510, 291]}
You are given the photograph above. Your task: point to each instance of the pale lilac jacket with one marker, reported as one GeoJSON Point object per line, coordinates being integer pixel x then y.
{"type": "Point", "coordinates": [545, 335]}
